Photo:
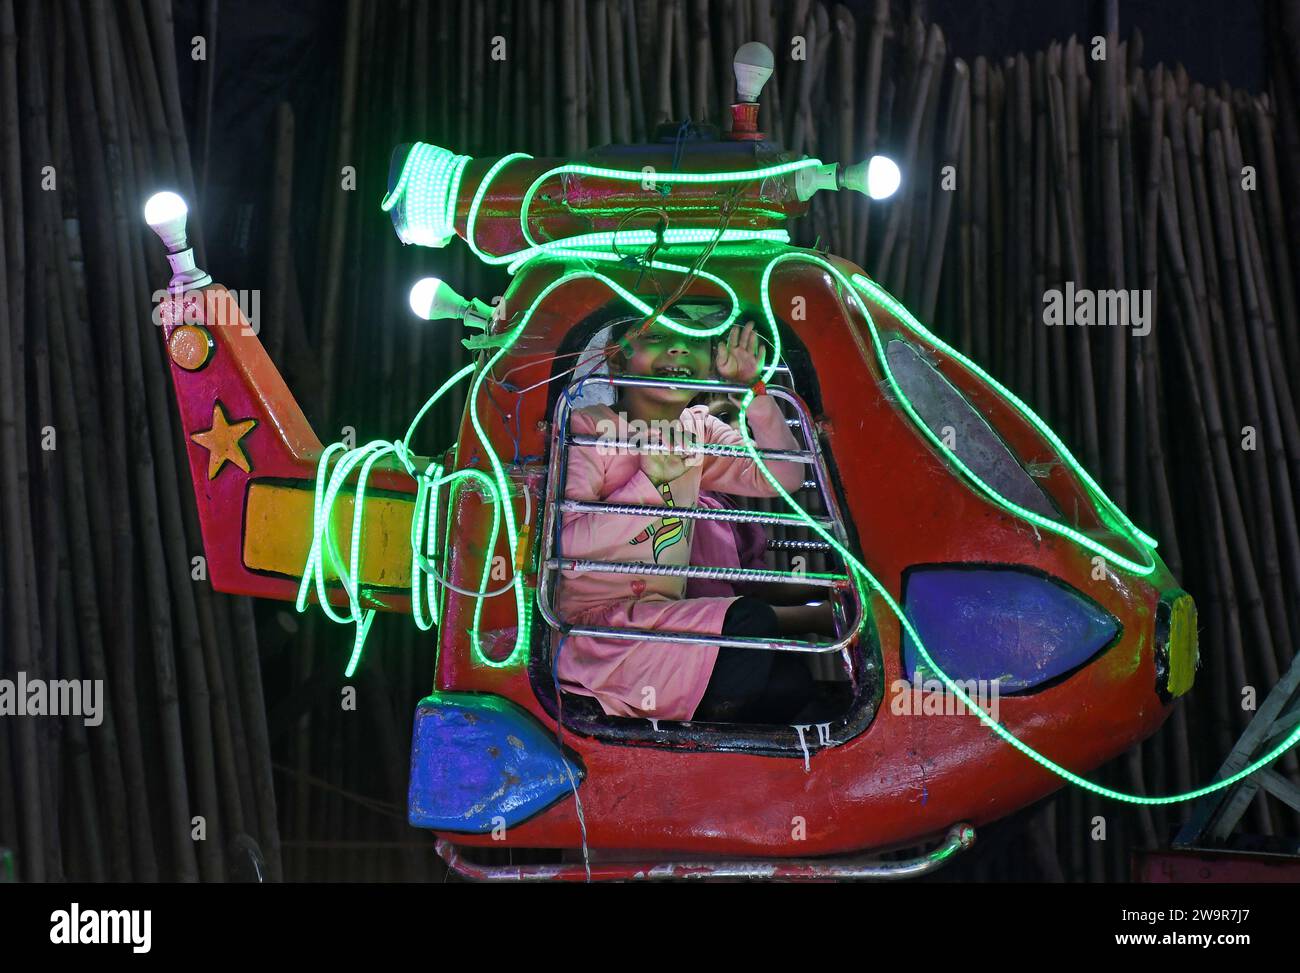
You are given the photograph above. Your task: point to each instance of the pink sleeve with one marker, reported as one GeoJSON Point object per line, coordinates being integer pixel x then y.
{"type": "Point", "coordinates": [584, 534]}
{"type": "Point", "coordinates": [740, 474]}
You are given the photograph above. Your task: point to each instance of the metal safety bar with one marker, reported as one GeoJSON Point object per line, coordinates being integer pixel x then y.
{"type": "Point", "coordinates": [703, 449]}
{"type": "Point", "coordinates": [553, 563]}
{"type": "Point", "coordinates": [695, 638]}
{"type": "Point", "coordinates": [780, 544]}
{"type": "Point", "coordinates": [691, 571]}
{"type": "Point", "coordinates": [688, 513]}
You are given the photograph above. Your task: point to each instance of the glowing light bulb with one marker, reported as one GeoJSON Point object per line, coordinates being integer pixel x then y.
{"type": "Point", "coordinates": [166, 213]}
{"type": "Point", "coordinates": [883, 177]}
{"type": "Point", "coordinates": [753, 66]}
{"type": "Point", "coordinates": [163, 207]}
{"type": "Point", "coordinates": [434, 300]}
{"type": "Point", "coordinates": [424, 294]}
{"type": "Point", "coordinates": [878, 177]}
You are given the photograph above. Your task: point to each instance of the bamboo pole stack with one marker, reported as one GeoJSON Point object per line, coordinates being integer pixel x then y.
{"type": "Point", "coordinates": [1107, 173]}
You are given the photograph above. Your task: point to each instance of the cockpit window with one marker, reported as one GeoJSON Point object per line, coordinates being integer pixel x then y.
{"type": "Point", "coordinates": [951, 417]}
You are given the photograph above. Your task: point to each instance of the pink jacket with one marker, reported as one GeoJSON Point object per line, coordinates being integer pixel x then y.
{"type": "Point", "coordinates": [660, 680]}
{"type": "Point", "coordinates": [724, 544]}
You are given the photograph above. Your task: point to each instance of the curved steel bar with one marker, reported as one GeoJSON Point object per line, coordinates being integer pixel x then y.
{"type": "Point", "coordinates": [621, 447]}
{"type": "Point", "coordinates": [696, 571]}
{"type": "Point", "coordinates": [695, 638]}
{"type": "Point", "coordinates": [777, 544]}
{"type": "Point", "coordinates": [959, 838]}
{"type": "Point", "coordinates": [690, 513]}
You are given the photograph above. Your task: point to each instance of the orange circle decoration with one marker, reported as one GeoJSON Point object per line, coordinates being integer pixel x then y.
{"type": "Point", "coordinates": [190, 347]}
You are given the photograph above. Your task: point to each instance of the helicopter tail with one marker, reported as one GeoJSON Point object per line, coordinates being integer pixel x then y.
{"type": "Point", "coordinates": [253, 458]}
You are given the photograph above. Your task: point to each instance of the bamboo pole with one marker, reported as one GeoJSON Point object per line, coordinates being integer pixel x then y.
{"type": "Point", "coordinates": [639, 45]}
{"type": "Point", "coordinates": [871, 116]}
{"type": "Point", "coordinates": [621, 82]}
{"type": "Point", "coordinates": [19, 654]}
{"type": "Point", "coordinates": [701, 46]}
{"type": "Point", "coordinates": [1037, 337]}
{"type": "Point", "coordinates": [338, 208]}
{"type": "Point", "coordinates": [680, 75]}
{"type": "Point", "coordinates": [803, 77]}
{"type": "Point", "coordinates": [1020, 269]}
{"type": "Point", "coordinates": [928, 68]}
{"type": "Point", "coordinates": [664, 63]}
{"type": "Point", "coordinates": [283, 273]}
{"type": "Point", "coordinates": [761, 28]}
{"type": "Point", "coordinates": [82, 608]}
{"type": "Point", "coordinates": [105, 284]}
{"type": "Point", "coordinates": [148, 535]}
{"type": "Point", "coordinates": [1253, 606]}
{"type": "Point", "coordinates": [1113, 247]}
{"type": "Point", "coordinates": [956, 128]}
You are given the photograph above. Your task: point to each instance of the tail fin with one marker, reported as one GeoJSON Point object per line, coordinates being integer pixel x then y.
{"type": "Point", "coordinates": [253, 459]}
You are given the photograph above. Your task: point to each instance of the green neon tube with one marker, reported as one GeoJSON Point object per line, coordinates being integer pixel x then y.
{"type": "Point", "coordinates": [669, 178]}
{"type": "Point", "coordinates": [330, 484]}
{"type": "Point", "coordinates": [895, 307]}
{"type": "Point", "coordinates": [429, 184]}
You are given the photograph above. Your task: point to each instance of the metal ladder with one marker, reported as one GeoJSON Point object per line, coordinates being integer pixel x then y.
{"type": "Point", "coordinates": [553, 561]}
{"type": "Point", "coordinates": [1215, 815]}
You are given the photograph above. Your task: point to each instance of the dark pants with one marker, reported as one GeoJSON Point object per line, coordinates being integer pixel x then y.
{"type": "Point", "coordinates": [751, 685]}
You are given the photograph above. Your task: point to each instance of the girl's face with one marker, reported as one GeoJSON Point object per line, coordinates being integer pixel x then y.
{"type": "Point", "coordinates": [661, 352]}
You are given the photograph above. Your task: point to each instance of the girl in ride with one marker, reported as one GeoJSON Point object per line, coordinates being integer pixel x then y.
{"type": "Point", "coordinates": [657, 679]}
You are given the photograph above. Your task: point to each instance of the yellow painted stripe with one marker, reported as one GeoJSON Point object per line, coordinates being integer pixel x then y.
{"type": "Point", "coordinates": [1183, 648]}
{"type": "Point", "coordinates": [277, 534]}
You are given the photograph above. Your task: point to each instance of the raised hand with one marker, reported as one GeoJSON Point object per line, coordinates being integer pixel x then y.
{"type": "Point", "coordinates": [662, 467]}
{"type": "Point", "coordinates": [740, 358]}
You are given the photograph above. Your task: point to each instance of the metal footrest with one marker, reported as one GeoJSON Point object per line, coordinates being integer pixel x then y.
{"type": "Point", "coordinates": [959, 838]}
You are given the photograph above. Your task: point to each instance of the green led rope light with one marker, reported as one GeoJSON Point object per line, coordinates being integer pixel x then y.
{"type": "Point", "coordinates": [859, 568]}
{"type": "Point", "coordinates": [1038, 520]}
{"type": "Point", "coordinates": [669, 178]}
{"type": "Point", "coordinates": [610, 239]}
{"type": "Point", "coordinates": [477, 201]}
{"type": "Point", "coordinates": [426, 511]}
{"type": "Point", "coordinates": [427, 189]}
{"type": "Point", "coordinates": [892, 304]}
{"type": "Point", "coordinates": [330, 484]}
{"type": "Point", "coordinates": [581, 248]}
{"type": "Point", "coordinates": [431, 177]}
{"type": "Point", "coordinates": [642, 306]}
{"type": "Point", "coordinates": [495, 461]}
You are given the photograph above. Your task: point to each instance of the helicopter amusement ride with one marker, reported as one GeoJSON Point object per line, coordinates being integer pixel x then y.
{"type": "Point", "coordinates": [962, 544]}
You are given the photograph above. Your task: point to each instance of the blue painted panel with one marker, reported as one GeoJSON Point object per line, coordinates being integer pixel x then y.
{"type": "Point", "coordinates": [1001, 623]}
{"type": "Point", "coordinates": [476, 757]}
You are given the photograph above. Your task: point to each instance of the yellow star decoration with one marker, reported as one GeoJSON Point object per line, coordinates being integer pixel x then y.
{"type": "Point", "coordinates": [222, 441]}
